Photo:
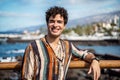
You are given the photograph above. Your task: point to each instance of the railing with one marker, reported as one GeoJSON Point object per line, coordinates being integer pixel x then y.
{"type": "Point", "coordinates": [74, 64]}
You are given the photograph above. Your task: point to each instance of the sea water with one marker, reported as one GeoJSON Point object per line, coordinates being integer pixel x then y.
{"type": "Point", "coordinates": [17, 49]}
{"type": "Point", "coordinates": [12, 49]}
{"type": "Point", "coordinates": [109, 49]}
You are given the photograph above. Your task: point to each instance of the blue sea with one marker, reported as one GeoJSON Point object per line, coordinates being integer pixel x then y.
{"type": "Point", "coordinates": [17, 49]}
{"type": "Point", "coordinates": [12, 49]}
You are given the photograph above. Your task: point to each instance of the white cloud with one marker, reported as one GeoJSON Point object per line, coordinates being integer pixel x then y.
{"type": "Point", "coordinates": [13, 14]}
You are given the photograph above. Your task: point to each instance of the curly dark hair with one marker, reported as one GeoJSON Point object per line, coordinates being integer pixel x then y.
{"type": "Point", "coordinates": [53, 11]}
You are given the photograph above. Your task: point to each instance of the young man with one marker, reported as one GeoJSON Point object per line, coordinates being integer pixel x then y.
{"type": "Point", "coordinates": [49, 57]}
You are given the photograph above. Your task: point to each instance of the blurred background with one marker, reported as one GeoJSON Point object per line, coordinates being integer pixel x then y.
{"type": "Point", "coordinates": [92, 25]}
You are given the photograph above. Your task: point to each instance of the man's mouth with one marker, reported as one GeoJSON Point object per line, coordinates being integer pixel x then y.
{"type": "Point", "coordinates": [55, 30]}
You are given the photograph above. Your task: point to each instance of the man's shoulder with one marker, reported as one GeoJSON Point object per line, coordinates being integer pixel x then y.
{"type": "Point", "coordinates": [33, 41]}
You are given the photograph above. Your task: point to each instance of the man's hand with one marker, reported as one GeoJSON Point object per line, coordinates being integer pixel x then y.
{"type": "Point", "coordinates": [95, 67]}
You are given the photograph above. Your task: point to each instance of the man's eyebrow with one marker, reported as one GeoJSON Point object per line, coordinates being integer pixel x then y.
{"type": "Point", "coordinates": [60, 20]}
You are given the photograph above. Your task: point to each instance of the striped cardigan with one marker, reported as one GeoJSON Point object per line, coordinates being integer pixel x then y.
{"type": "Point", "coordinates": [39, 62]}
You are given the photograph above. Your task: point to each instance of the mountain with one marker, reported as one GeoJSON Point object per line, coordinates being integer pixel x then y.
{"type": "Point", "coordinates": [20, 30]}
{"type": "Point", "coordinates": [80, 21]}
{"type": "Point", "coordinates": [31, 28]}
{"type": "Point", "coordinates": [94, 18]}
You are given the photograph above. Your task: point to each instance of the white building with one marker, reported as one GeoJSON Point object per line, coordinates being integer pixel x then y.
{"type": "Point", "coordinates": [107, 25]}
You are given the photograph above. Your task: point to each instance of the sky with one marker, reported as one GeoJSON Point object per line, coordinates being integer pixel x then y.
{"type": "Point", "coordinates": [25, 13]}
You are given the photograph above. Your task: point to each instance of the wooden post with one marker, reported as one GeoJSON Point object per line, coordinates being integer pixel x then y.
{"type": "Point", "coordinates": [73, 64]}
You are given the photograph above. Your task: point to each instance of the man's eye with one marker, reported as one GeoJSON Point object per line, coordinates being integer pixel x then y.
{"type": "Point", "coordinates": [59, 21]}
{"type": "Point", "coordinates": [51, 21]}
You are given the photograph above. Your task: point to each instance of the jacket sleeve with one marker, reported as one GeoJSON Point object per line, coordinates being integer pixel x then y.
{"type": "Point", "coordinates": [28, 64]}
{"type": "Point", "coordinates": [78, 52]}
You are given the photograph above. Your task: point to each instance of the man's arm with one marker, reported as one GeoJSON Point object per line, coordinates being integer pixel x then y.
{"type": "Point", "coordinates": [94, 66]}
{"type": "Point", "coordinates": [88, 57]}
{"type": "Point", "coordinates": [28, 64]}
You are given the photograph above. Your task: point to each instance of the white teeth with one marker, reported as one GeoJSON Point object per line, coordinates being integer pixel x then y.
{"type": "Point", "coordinates": [55, 29]}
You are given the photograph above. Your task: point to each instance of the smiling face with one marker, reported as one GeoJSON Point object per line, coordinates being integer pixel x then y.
{"type": "Point", "coordinates": [55, 25]}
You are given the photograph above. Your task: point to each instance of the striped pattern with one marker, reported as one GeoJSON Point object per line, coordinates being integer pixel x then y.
{"type": "Point", "coordinates": [40, 62]}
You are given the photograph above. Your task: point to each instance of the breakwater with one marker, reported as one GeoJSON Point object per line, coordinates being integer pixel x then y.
{"type": "Point", "coordinates": [96, 42]}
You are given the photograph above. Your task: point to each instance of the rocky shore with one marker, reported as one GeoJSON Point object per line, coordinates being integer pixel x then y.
{"type": "Point", "coordinates": [73, 74]}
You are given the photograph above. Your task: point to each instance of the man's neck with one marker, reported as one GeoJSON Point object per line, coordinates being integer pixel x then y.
{"type": "Point", "coordinates": [53, 40]}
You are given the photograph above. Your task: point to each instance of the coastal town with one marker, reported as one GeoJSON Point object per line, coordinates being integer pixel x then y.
{"type": "Point", "coordinates": [99, 31]}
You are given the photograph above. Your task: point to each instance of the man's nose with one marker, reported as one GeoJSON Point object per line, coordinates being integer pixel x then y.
{"type": "Point", "coordinates": [55, 24]}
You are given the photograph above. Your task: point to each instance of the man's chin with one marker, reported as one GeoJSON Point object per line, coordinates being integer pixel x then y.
{"type": "Point", "coordinates": [55, 35]}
